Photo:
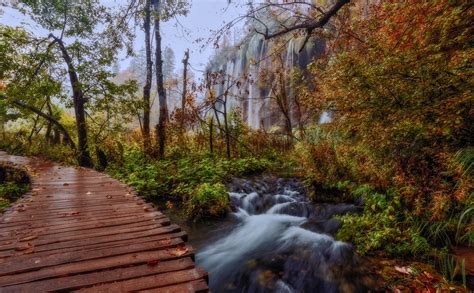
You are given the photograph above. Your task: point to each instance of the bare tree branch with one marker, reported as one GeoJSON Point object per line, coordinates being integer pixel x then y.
{"type": "Point", "coordinates": [309, 26]}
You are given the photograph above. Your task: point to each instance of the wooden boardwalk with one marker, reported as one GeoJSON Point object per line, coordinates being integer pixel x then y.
{"type": "Point", "coordinates": [78, 229]}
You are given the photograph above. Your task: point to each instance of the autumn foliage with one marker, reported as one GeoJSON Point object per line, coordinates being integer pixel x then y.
{"type": "Point", "coordinates": [400, 88]}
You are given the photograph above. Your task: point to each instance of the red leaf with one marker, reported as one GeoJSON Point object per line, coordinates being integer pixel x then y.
{"type": "Point", "coordinates": [153, 262]}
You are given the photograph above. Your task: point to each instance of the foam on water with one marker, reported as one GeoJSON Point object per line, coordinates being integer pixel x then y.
{"type": "Point", "coordinates": [271, 249]}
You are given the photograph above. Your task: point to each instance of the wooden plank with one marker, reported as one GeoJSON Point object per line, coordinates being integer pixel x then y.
{"type": "Point", "coordinates": [68, 216]}
{"type": "Point", "coordinates": [79, 219]}
{"type": "Point", "coordinates": [91, 266]}
{"type": "Point", "coordinates": [15, 266]}
{"type": "Point", "coordinates": [73, 224]}
{"type": "Point", "coordinates": [102, 239]}
{"type": "Point", "coordinates": [68, 283]}
{"type": "Point", "coordinates": [198, 286]}
{"type": "Point", "coordinates": [68, 236]}
{"type": "Point", "coordinates": [97, 206]}
{"type": "Point", "coordinates": [149, 282]}
{"type": "Point", "coordinates": [46, 250]}
{"type": "Point", "coordinates": [84, 212]}
{"type": "Point", "coordinates": [43, 234]}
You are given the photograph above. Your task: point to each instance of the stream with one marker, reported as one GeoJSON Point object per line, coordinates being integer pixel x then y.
{"type": "Point", "coordinates": [276, 240]}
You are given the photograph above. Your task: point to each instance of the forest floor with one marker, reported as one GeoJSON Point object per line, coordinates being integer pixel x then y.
{"type": "Point", "coordinates": [399, 275]}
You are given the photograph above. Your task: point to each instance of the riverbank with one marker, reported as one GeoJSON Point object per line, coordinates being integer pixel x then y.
{"type": "Point", "coordinates": [266, 210]}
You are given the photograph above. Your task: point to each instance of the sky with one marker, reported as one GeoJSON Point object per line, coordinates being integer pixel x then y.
{"type": "Point", "coordinates": [204, 17]}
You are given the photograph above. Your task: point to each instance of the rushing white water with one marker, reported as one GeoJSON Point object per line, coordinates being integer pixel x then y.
{"type": "Point", "coordinates": [279, 244]}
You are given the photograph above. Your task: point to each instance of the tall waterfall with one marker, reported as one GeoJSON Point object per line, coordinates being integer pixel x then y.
{"type": "Point", "coordinates": [246, 62]}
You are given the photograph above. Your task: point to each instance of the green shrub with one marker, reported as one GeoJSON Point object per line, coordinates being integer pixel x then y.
{"type": "Point", "coordinates": [383, 225]}
{"type": "Point", "coordinates": [13, 184]}
{"type": "Point", "coordinates": [208, 200]}
{"type": "Point", "coordinates": [12, 190]}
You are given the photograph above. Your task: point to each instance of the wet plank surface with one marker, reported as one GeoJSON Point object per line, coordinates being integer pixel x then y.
{"type": "Point", "coordinates": [81, 230]}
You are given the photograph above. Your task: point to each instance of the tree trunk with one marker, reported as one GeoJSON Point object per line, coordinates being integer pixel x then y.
{"type": "Point", "coordinates": [226, 123]}
{"type": "Point", "coordinates": [33, 129]}
{"type": "Point", "coordinates": [163, 118]}
{"type": "Point", "coordinates": [284, 105]}
{"type": "Point", "coordinates": [83, 157]}
{"type": "Point", "coordinates": [47, 135]}
{"type": "Point", "coordinates": [56, 136]}
{"type": "Point", "coordinates": [185, 82]}
{"type": "Point", "coordinates": [211, 138]}
{"type": "Point", "coordinates": [149, 74]}
{"type": "Point", "coordinates": [299, 112]}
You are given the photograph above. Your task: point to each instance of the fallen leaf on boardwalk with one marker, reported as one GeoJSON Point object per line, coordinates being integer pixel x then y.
{"type": "Point", "coordinates": [165, 241]}
{"type": "Point", "coordinates": [23, 247]}
{"type": "Point", "coordinates": [178, 251]}
{"type": "Point", "coordinates": [404, 270]}
{"type": "Point", "coordinates": [29, 251]}
{"type": "Point", "coordinates": [89, 193]}
{"type": "Point", "coordinates": [29, 238]}
{"type": "Point", "coordinates": [153, 262]}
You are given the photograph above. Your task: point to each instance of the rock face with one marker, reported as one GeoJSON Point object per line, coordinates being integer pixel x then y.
{"type": "Point", "coordinates": [247, 63]}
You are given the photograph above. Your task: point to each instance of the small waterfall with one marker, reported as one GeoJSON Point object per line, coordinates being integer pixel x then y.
{"type": "Point", "coordinates": [290, 54]}
{"type": "Point", "coordinates": [280, 242]}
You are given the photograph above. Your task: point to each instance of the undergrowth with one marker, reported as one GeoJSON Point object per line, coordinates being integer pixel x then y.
{"type": "Point", "coordinates": [13, 184]}
{"type": "Point", "coordinates": [193, 180]}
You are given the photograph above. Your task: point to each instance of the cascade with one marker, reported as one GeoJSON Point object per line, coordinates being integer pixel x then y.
{"type": "Point", "coordinates": [279, 242]}
{"type": "Point", "coordinates": [246, 63]}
